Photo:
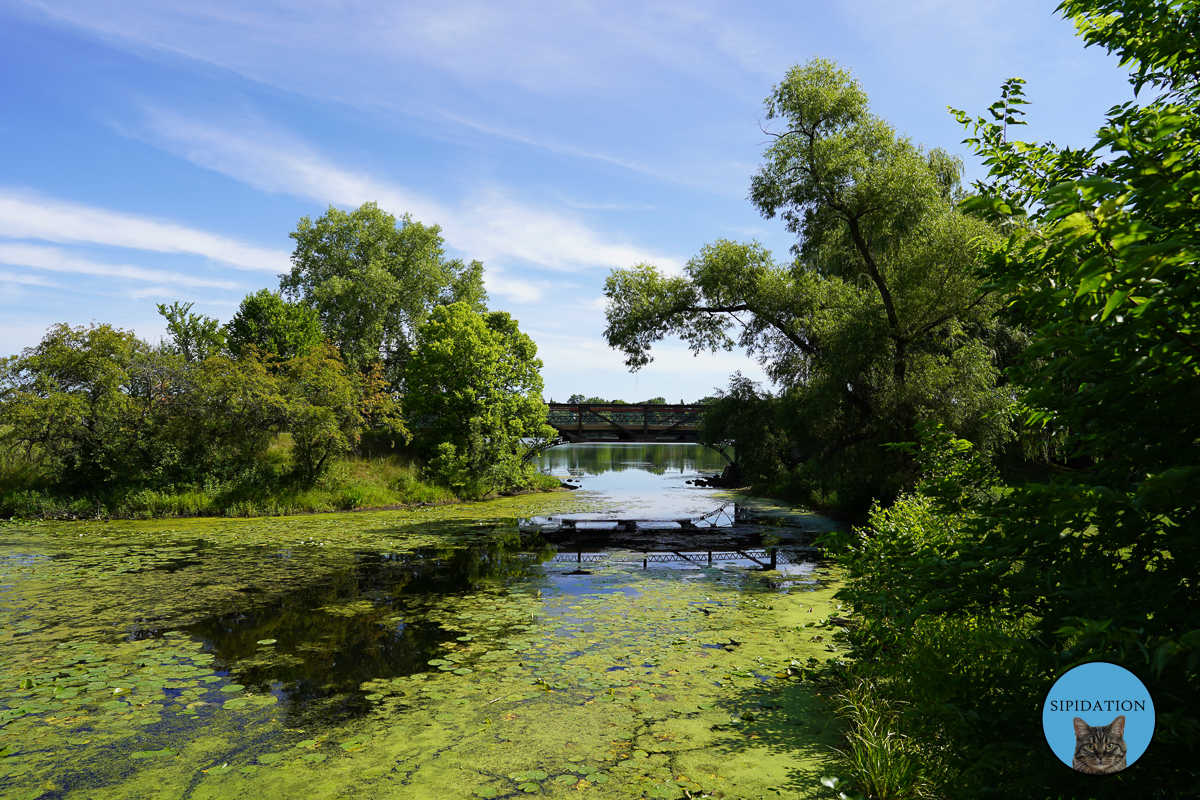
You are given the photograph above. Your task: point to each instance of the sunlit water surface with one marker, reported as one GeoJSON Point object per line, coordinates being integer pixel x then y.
{"type": "Point", "coordinates": [482, 650]}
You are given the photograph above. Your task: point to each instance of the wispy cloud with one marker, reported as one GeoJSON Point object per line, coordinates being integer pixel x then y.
{"type": "Point", "coordinates": [26, 216]}
{"type": "Point", "coordinates": [539, 45]}
{"type": "Point", "coordinates": [487, 224]}
{"type": "Point", "coordinates": [517, 290]}
{"type": "Point", "coordinates": [25, 280]}
{"type": "Point", "coordinates": [53, 259]}
{"type": "Point", "coordinates": [583, 79]}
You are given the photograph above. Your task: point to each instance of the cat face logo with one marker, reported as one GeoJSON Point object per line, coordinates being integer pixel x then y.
{"type": "Point", "coordinates": [1098, 718]}
{"type": "Point", "coordinates": [1100, 749]}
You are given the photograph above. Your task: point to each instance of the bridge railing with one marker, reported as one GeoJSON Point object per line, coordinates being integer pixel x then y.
{"type": "Point", "coordinates": [629, 416]}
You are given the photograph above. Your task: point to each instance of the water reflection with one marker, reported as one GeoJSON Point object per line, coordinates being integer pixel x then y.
{"type": "Point", "coordinates": [639, 480]}
{"type": "Point", "coordinates": [316, 644]}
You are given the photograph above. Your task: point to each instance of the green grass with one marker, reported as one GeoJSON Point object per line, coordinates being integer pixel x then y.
{"type": "Point", "coordinates": [377, 479]}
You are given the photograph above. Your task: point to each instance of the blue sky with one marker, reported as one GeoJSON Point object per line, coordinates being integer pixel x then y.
{"type": "Point", "coordinates": [163, 151]}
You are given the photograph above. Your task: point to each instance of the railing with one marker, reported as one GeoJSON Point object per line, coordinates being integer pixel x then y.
{"type": "Point", "coordinates": [626, 421]}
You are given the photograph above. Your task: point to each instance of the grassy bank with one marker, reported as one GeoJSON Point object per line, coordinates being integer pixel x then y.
{"type": "Point", "coordinates": [375, 479]}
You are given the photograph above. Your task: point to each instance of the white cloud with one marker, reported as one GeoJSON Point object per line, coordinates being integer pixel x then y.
{"type": "Point", "coordinates": [516, 290]}
{"type": "Point", "coordinates": [26, 280]}
{"type": "Point", "coordinates": [488, 224]}
{"type": "Point", "coordinates": [53, 259]}
{"type": "Point", "coordinates": [542, 46]}
{"type": "Point", "coordinates": [24, 216]}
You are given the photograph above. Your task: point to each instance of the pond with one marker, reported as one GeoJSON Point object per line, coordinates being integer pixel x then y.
{"type": "Point", "coordinates": [575, 643]}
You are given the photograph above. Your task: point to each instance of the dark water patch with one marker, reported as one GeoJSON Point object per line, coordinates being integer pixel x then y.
{"type": "Point", "coordinates": [369, 621]}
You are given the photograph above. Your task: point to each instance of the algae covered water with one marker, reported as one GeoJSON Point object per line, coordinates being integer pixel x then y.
{"type": "Point", "coordinates": [454, 652]}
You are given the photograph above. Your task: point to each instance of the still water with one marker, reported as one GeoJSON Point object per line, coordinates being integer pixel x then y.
{"type": "Point", "coordinates": [518, 647]}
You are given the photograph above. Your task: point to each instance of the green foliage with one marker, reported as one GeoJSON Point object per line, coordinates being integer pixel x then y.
{"type": "Point", "coordinates": [910, 672]}
{"type": "Point", "coordinates": [323, 410]}
{"type": "Point", "coordinates": [879, 323]}
{"type": "Point", "coordinates": [219, 421]}
{"type": "Point", "coordinates": [82, 403]}
{"type": "Point", "coordinates": [600, 401]}
{"type": "Point", "coordinates": [193, 336]}
{"type": "Point", "coordinates": [373, 280]}
{"type": "Point", "coordinates": [474, 394]}
{"type": "Point", "coordinates": [1098, 562]}
{"type": "Point", "coordinates": [96, 410]}
{"type": "Point", "coordinates": [273, 325]}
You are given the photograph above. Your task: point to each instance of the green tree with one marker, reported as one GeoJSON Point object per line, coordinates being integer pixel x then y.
{"type": "Point", "coordinates": [474, 398]}
{"type": "Point", "coordinates": [193, 336]}
{"type": "Point", "coordinates": [221, 417]}
{"type": "Point", "coordinates": [323, 410]}
{"type": "Point", "coordinates": [103, 411]}
{"type": "Point", "coordinates": [77, 404]}
{"type": "Point", "coordinates": [878, 323]}
{"type": "Point", "coordinates": [374, 279]}
{"type": "Point", "coordinates": [1103, 263]}
{"type": "Point", "coordinates": [273, 325]}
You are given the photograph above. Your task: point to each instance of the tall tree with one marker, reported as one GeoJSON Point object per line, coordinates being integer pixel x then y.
{"type": "Point", "coordinates": [878, 322]}
{"type": "Point", "coordinates": [474, 399]}
{"type": "Point", "coordinates": [374, 279]}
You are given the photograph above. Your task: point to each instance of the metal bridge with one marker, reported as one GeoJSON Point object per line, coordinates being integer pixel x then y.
{"type": "Point", "coordinates": [583, 422]}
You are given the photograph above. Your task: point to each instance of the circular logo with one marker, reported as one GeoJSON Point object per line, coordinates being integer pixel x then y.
{"type": "Point", "coordinates": [1098, 718]}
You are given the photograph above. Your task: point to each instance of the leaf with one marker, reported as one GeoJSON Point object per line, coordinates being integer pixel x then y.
{"type": "Point", "coordinates": [1114, 301]}
{"type": "Point", "coordinates": [166, 751]}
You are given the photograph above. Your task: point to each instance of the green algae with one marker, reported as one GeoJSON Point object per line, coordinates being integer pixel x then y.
{"type": "Point", "coordinates": [621, 683]}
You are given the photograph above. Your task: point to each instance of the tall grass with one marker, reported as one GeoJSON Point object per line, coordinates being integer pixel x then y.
{"type": "Point", "coordinates": [881, 758]}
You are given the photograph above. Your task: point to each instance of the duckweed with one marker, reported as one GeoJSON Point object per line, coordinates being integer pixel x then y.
{"type": "Point", "coordinates": [416, 653]}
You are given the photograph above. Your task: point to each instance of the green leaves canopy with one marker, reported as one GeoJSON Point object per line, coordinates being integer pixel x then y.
{"type": "Point", "coordinates": [193, 336]}
{"type": "Point", "coordinates": [273, 325]}
{"type": "Point", "coordinates": [474, 394]}
{"type": "Point", "coordinates": [373, 280]}
{"type": "Point", "coordinates": [1103, 263]}
{"type": "Point", "coordinates": [101, 410]}
{"type": "Point", "coordinates": [877, 324]}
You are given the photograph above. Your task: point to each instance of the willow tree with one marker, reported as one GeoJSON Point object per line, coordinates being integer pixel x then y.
{"type": "Point", "coordinates": [878, 321]}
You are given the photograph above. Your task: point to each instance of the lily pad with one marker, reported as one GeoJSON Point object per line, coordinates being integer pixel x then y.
{"type": "Point", "coordinates": [166, 751]}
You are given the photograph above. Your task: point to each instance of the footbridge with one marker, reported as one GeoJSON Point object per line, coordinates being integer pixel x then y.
{"type": "Point", "coordinates": [582, 422]}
